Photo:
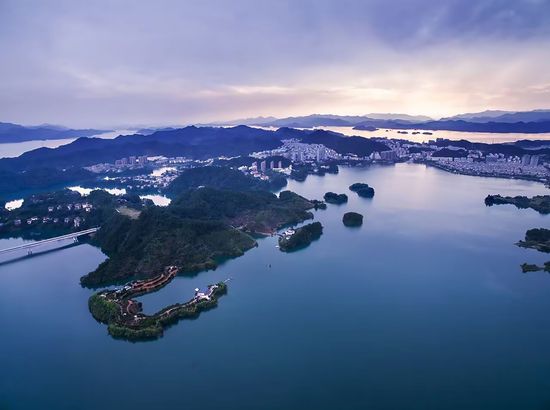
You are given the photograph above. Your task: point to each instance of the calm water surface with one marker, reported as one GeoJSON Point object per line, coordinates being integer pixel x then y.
{"type": "Point", "coordinates": [486, 137]}
{"type": "Point", "coordinates": [423, 307]}
{"type": "Point", "coordinates": [14, 149]}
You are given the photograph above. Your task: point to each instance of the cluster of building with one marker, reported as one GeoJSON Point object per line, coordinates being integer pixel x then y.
{"type": "Point", "coordinates": [298, 152]}
{"type": "Point", "coordinates": [530, 160]}
{"type": "Point", "coordinates": [123, 163]}
{"type": "Point", "coordinates": [75, 221]}
{"type": "Point", "coordinates": [57, 215]}
{"type": "Point", "coordinates": [469, 162]}
{"type": "Point", "coordinates": [494, 166]}
{"type": "Point", "coordinates": [258, 169]}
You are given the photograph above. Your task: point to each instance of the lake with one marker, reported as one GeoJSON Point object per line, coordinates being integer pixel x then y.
{"type": "Point", "coordinates": [14, 149]}
{"type": "Point", "coordinates": [486, 137]}
{"type": "Point", "coordinates": [423, 307]}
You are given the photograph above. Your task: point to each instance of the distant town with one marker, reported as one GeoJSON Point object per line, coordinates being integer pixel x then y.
{"type": "Point", "coordinates": [293, 154]}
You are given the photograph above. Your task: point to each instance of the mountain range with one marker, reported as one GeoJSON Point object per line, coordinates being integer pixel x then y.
{"type": "Point", "coordinates": [536, 121]}
{"type": "Point", "coordinates": [46, 167]}
{"type": "Point", "coordinates": [18, 133]}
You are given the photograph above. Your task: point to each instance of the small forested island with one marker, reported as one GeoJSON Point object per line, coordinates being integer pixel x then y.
{"type": "Point", "coordinates": [362, 127]}
{"type": "Point", "coordinates": [539, 239]}
{"type": "Point", "coordinates": [301, 171]}
{"type": "Point", "coordinates": [301, 237]}
{"type": "Point", "coordinates": [530, 267]}
{"type": "Point", "coordinates": [362, 189]}
{"type": "Point", "coordinates": [540, 203]}
{"type": "Point", "coordinates": [352, 219]}
{"type": "Point", "coordinates": [318, 204]}
{"type": "Point", "coordinates": [334, 198]}
{"type": "Point", "coordinates": [124, 316]}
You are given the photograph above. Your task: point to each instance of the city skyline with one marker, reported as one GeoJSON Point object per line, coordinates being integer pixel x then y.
{"type": "Point", "coordinates": [105, 64]}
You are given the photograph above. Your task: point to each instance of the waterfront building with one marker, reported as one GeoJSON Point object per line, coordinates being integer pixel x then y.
{"type": "Point", "coordinates": [321, 154]}
{"type": "Point", "coordinates": [526, 160]}
{"type": "Point", "coordinates": [272, 164]}
{"type": "Point", "coordinates": [388, 156]}
{"type": "Point", "coordinates": [262, 166]}
{"type": "Point", "coordinates": [534, 160]}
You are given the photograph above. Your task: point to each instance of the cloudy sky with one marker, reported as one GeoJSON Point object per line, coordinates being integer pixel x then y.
{"type": "Point", "coordinates": [113, 63]}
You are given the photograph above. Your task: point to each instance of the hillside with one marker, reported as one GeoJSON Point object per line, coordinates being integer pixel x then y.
{"type": "Point", "coordinates": [18, 133]}
{"type": "Point", "coordinates": [194, 232]}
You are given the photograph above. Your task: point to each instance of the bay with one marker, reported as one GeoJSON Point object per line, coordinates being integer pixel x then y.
{"type": "Point", "coordinates": [424, 306]}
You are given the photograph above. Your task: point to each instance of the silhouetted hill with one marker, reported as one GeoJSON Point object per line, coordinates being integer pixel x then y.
{"type": "Point", "coordinates": [191, 142]}
{"type": "Point", "coordinates": [504, 116]}
{"type": "Point", "coordinates": [18, 133]}
{"type": "Point", "coordinates": [324, 120]}
{"type": "Point", "coordinates": [220, 178]}
{"type": "Point", "coordinates": [465, 126]}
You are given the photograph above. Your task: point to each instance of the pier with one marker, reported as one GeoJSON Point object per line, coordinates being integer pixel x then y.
{"type": "Point", "coordinates": [31, 245]}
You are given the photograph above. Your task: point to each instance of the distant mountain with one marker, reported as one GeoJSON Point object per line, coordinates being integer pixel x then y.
{"type": "Point", "coordinates": [18, 133]}
{"type": "Point", "coordinates": [243, 121]}
{"type": "Point", "coordinates": [487, 115]}
{"type": "Point", "coordinates": [323, 120]}
{"type": "Point", "coordinates": [400, 117]}
{"type": "Point", "coordinates": [461, 125]}
{"type": "Point", "coordinates": [531, 122]}
{"type": "Point", "coordinates": [64, 164]}
{"type": "Point", "coordinates": [191, 142]}
{"type": "Point", "coordinates": [504, 116]}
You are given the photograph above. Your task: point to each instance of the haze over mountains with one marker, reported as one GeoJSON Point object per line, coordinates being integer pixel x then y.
{"type": "Point", "coordinates": [535, 121]}
{"type": "Point", "coordinates": [49, 167]}
{"type": "Point", "coordinates": [18, 133]}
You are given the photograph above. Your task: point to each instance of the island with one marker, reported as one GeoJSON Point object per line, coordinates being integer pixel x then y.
{"type": "Point", "coordinates": [538, 239]}
{"type": "Point", "coordinates": [363, 127]}
{"type": "Point", "coordinates": [540, 203]}
{"type": "Point", "coordinates": [299, 238]}
{"type": "Point", "coordinates": [200, 228]}
{"type": "Point", "coordinates": [352, 219]}
{"type": "Point", "coordinates": [123, 315]}
{"type": "Point", "coordinates": [318, 204]}
{"type": "Point", "coordinates": [333, 198]}
{"type": "Point", "coordinates": [530, 267]}
{"type": "Point", "coordinates": [362, 189]}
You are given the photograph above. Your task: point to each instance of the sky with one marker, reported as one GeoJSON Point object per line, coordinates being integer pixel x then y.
{"type": "Point", "coordinates": [124, 62]}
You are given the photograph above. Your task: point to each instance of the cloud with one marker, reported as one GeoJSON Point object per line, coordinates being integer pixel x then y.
{"type": "Point", "coordinates": [121, 62]}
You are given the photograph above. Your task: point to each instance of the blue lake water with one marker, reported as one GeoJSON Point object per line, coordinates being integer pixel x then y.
{"type": "Point", "coordinates": [423, 307]}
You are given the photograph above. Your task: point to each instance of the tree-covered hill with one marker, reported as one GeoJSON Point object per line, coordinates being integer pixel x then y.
{"type": "Point", "coordinates": [194, 232]}
{"type": "Point", "coordinates": [221, 178]}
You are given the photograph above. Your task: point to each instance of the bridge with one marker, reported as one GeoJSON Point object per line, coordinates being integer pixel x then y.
{"type": "Point", "coordinates": [31, 245]}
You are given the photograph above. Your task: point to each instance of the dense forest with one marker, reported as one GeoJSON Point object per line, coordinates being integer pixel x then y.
{"type": "Point", "coordinates": [221, 178]}
{"type": "Point", "coordinates": [194, 232]}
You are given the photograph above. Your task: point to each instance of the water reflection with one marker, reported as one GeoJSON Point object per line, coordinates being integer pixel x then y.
{"type": "Point", "coordinates": [86, 191]}
{"type": "Point", "coordinates": [16, 203]}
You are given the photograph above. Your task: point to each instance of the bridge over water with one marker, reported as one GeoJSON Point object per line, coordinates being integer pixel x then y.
{"type": "Point", "coordinates": [31, 245]}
